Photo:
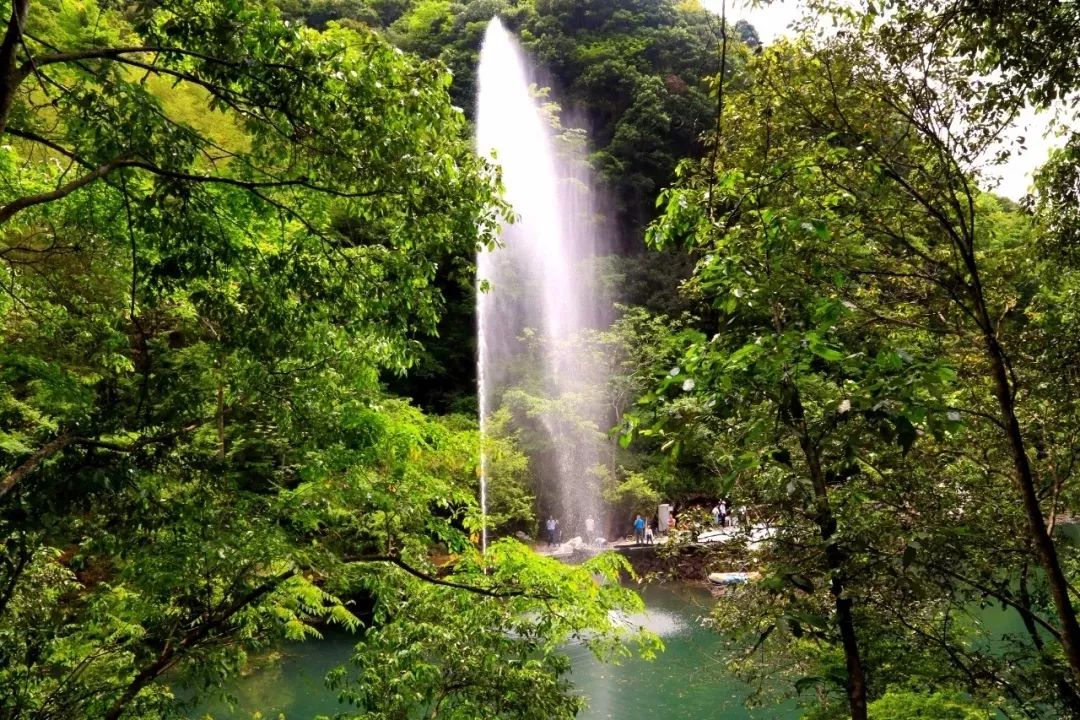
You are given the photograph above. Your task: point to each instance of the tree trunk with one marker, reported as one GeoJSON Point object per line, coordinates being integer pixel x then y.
{"type": "Point", "coordinates": [1045, 550]}
{"type": "Point", "coordinates": [30, 464]}
{"type": "Point", "coordinates": [221, 420]}
{"type": "Point", "coordinates": [11, 73]}
{"type": "Point", "coordinates": [1068, 693]}
{"type": "Point", "coordinates": [834, 558]}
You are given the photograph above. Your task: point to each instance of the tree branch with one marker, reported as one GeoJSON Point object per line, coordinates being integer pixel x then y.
{"type": "Point", "coordinates": [117, 52]}
{"type": "Point", "coordinates": [427, 577]}
{"type": "Point", "coordinates": [171, 654]}
{"type": "Point", "coordinates": [62, 441]}
{"type": "Point", "coordinates": [1019, 607]}
{"type": "Point", "coordinates": [31, 463]}
{"type": "Point", "coordinates": [22, 203]}
{"type": "Point", "coordinates": [275, 182]}
{"type": "Point", "coordinates": [141, 442]}
{"type": "Point", "coordinates": [100, 171]}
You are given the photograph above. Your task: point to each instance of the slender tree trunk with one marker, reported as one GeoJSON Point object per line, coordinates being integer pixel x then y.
{"type": "Point", "coordinates": [834, 558]}
{"type": "Point", "coordinates": [1024, 597]}
{"type": "Point", "coordinates": [221, 420]}
{"type": "Point", "coordinates": [1045, 549]}
{"type": "Point", "coordinates": [11, 73]}
{"type": "Point", "coordinates": [15, 570]}
{"type": "Point", "coordinates": [1068, 693]}
{"type": "Point", "coordinates": [221, 407]}
{"type": "Point", "coordinates": [856, 680]}
{"type": "Point", "coordinates": [719, 104]}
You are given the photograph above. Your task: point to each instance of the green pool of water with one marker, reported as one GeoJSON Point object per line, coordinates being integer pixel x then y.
{"type": "Point", "coordinates": [685, 682]}
{"type": "Point", "coordinates": [688, 681]}
{"type": "Point", "coordinates": [291, 685]}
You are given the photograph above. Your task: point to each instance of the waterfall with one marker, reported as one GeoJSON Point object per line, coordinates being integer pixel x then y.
{"type": "Point", "coordinates": [542, 294]}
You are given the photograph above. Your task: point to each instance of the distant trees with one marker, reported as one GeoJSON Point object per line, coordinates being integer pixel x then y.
{"type": "Point", "coordinates": [635, 74]}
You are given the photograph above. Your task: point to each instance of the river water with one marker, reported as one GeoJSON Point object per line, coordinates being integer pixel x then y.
{"type": "Point", "coordinates": [685, 682]}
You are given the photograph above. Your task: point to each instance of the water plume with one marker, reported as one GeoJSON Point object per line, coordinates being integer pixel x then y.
{"type": "Point", "coordinates": [543, 295]}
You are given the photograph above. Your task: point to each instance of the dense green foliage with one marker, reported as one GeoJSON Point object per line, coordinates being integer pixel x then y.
{"type": "Point", "coordinates": [235, 254]}
{"type": "Point", "coordinates": [217, 230]}
{"type": "Point", "coordinates": [634, 74]}
{"type": "Point", "coordinates": [916, 706]}
{"type": "Point", "coordinates": [880, 384]}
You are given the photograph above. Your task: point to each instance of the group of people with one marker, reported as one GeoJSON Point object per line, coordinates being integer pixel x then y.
{"type": "Point", "coordinates": [554, 532]}
{"type": "Point", "coordinates": [725, 516]}
{"type": "Point", "coordinates": [644, 529]}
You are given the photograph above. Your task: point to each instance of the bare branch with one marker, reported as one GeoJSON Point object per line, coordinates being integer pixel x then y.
{"type": "Point", "coordinates": [22, 203]}
{"type": "Point", "coordinates": [100, 171]}
{"type": "Point", "coordinates": [118, 52]}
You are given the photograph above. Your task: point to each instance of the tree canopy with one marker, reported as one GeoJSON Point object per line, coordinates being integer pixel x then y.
{"type": "Point", "coordinates": [217, 229]}
{"type": "Point", "coordinates": [237, 353]}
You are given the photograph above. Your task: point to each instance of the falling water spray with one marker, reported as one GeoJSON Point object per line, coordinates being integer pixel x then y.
{"type": "Point", "coordinates": [541, 287]}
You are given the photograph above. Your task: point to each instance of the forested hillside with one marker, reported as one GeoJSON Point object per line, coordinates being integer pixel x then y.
{"type": "Point", "coordinates": [631, 78]}
{"type": "Point", "coordinates": [634, 74]}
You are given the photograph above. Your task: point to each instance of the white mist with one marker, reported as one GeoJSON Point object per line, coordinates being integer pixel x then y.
{"type": "Point", "coordinates": [539, 281]}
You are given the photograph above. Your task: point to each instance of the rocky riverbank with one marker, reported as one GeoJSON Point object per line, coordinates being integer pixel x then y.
{"type": "Point", "coordinates": [690, 562]}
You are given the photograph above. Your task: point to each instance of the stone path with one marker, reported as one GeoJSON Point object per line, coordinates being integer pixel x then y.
{"type": "Point", "coordinates": [577, 545]}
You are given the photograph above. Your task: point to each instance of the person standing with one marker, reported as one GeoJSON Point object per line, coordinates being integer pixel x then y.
{"type": "Point", "coordinates": [648, 534]}
{"type": "Point", "coordinates": [552, 524]}
{"type": "Point", "coordinates": [723, 513]}
{"type": "Point", "coordinates": [716, 514]}
{"type": "Point", "coordinates": [639, 530]}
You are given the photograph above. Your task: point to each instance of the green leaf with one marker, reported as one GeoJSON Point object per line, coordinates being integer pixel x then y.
{"type": "Point", "coordinates": [825, 352]}
{"type": "Point", "coordinates": [910, 553]}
